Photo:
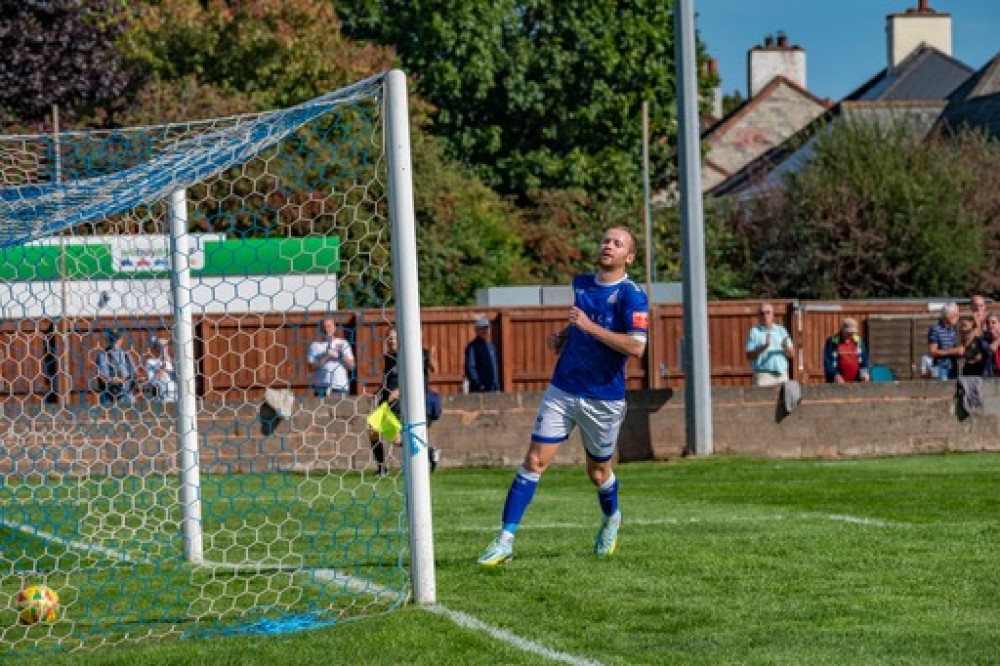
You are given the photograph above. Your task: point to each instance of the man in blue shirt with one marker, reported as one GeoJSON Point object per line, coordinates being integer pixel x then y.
{"type": "Point", "coordinates": [943, 345]}
{"type": "Point", "coordinates": [607, 325]}
{"type": "Point", "coordinates": [768, 349]}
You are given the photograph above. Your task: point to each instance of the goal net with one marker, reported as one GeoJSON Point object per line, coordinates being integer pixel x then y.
{"type": "Point", "coordinates": [186, 450]}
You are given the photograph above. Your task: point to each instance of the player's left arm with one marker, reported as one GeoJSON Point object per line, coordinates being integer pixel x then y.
{"type": "Point", "coordinates": [631, 344]}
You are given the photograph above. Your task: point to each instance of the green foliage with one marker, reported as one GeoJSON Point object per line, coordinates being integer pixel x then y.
{"type": "Point", "coordinates": [538, 94]}
{"type": "Point", "coordinates": [878, 212]}
{"type": "Point", "coordinates": [724, 250]}
{"type": "Point", "coordinates": [59, 52]}
{"type": "Point", "coordinates": [466, 236]}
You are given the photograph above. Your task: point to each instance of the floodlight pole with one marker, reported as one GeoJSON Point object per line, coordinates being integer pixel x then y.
{"type": "Point", "coordinates": [697, 385]}
{"type": "Point", "coordinates": [411, 376]}
{"type": "Point", "coordinates": [189, 458]}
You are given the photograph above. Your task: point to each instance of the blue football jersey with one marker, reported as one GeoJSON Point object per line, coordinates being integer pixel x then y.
{"type": "Point", "coordinates": [586, 367]}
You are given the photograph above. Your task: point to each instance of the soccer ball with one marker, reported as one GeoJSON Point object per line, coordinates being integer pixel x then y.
{"type": "Point", "coordinates": [37, 603]}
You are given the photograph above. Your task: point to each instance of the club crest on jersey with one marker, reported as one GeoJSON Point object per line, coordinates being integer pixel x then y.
{"type": "Point", "coordinates": [640, 320]}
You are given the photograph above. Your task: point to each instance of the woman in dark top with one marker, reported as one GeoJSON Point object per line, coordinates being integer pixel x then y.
{"type": "Point", "coordinates": [389, 392]}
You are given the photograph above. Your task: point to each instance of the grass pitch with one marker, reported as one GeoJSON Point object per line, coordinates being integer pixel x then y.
{"type": "Point", "coordinates": [720, 561]}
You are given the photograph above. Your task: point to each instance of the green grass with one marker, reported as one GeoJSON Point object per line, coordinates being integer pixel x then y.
{"type": "Point", "coordinates": [720, 561]}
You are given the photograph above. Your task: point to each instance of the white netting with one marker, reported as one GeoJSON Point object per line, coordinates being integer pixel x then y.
{"type": "Point", "coordinates": [283, 522]}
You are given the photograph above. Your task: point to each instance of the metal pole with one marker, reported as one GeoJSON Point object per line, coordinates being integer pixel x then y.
{"type": "Point", "coordinates": [187, 408]}
{"type": "Point", "coordinates": [61, 375]}
{"type": "Point", "coordinates": [697, 387]}
{"type": "Point", "coordinates": [652, 379]}
{"type": "Point", "coordinates": [411, 377]}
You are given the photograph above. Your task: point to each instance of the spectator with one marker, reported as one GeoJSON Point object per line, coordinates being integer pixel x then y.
{"type": "Point", "coordinates": [989, 343]}
{"type": "Point", "coordinates": [389, 392]}
{"type": "Point", "coordinates": [161, 380]}
{"type": "Point", "coordinates": [943, 345]}
{"type": "Point", "coordinates": [845, 358]}
{"type": "Point", "coordinates": [768, 348]}
{"type": "Point", "coordinates": [978, 305]}
{"type": "Point", "coordinates": [116, 371]}
{"type": "Point", "coordinates": [332, 361]}
{"type": "Point", "coordinates": [981, 350]}
{"type": "Point", "coordinates": [481, 361]}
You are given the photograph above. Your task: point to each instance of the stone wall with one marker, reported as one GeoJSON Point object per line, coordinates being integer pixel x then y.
{"type": "Point", "coordinates": [493, 430]}
{"type": "Point", "coordinates": [832, 421]}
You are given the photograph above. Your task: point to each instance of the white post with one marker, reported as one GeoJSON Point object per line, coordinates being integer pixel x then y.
{"type": "Point", "coordinates": [411, 375]}
{"type": "Point", "coordinates": [187, 408]}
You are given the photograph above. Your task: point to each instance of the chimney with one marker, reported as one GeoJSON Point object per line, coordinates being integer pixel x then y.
{"type": "Point", "coordinates": [775, 58]}
{"type": "Point", "coordinates": [713, 72]}
{"type": "Point", "coordinates": [908, 30]}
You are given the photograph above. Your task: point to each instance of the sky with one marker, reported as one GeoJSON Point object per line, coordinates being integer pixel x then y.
{"type": "Point", "coordinates": [844, 40]}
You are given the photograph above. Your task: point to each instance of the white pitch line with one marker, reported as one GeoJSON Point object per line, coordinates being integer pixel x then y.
{"type": "Point", "coordinates": [874, 522]}
{"type": "Point", "coordinates": [31, 530]}
{"type": "Point", "coordinates": [863, 521]}
{"type": "Point", "coordinates": [504, 636]}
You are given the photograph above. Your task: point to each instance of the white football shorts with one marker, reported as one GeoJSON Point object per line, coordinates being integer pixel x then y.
{"type": "Point", "coordinates": [599, 421]}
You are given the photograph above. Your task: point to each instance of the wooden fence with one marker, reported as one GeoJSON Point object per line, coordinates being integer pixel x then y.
{"type": "Point", "coordinates": [239, 356]}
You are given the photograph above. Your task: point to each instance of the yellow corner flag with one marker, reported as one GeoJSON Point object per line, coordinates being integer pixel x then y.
{"type": "Point", "coordinates": [384, 422]}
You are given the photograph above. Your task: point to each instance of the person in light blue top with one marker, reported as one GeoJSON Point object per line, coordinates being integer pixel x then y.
{"type": "Point", "coordinates": [607, 326]}
{"type": "Point", "coordinates": [769, 347]}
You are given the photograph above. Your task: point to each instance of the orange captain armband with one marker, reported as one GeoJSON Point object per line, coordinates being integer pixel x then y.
{"type": "Point", "coordinates": [640, 320]}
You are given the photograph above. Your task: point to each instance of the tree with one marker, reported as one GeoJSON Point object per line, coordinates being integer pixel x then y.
{"type": "Point", "coordinates": [60, 52]}
{"type": "Point", "coordinates": [537, 94]}
{"type": "Point", "coordinates": [878, 212]}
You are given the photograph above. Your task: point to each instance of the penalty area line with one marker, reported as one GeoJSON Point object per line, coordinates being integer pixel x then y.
{"type": "Point", "coordinates": [504, 636]}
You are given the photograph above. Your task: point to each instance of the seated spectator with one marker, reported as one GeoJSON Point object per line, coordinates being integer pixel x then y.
{"type": "Point", "coordinates": [161, 380]}
{"type": "Point", "coordinates": [943, 345]}
{"type": "Point", "coordinates": [116, 371]}
{"type": "Point", "coordinates": [845, 358]}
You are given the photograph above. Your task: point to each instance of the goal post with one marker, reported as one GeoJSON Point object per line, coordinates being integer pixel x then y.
{"type": "Point", "coordinates": [187, 451]}
{"type": "Point", "coordinates": [411, 381]}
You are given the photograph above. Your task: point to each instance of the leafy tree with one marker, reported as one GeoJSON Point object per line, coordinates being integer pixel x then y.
{"type": "Point", "coordinates": [60, 52]}
{"type": "Point", "coordinates": [537, 94]}
{"type": "Point", "coordinates": [877, 212]}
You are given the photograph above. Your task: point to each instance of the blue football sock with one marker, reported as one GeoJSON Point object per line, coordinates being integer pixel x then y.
{"type": "Point", "coordinates": [522, 490]}
{"type": "Point", "coordinates": [607, 495]}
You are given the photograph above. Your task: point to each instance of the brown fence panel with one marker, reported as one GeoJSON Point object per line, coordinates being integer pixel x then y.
{"type": "Point", "coordinates": [241, 355]}
{"type": "Point", "coordinates": [26, 350]}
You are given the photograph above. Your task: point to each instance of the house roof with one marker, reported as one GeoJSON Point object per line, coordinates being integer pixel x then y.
{"type": "Point", "coordinates": [917, 87]}
{"type": "Point", "coordinates": [720, 128]}
{"type": "Point", "coordinates": [926, 73]}
{"type": "Point", "coordinates": [976, 103]}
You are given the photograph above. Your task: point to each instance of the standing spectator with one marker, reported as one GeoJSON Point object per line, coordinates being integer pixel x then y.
{"type": "Point", "coordinates": [943, 345]}
{"type": "Point", "coordinates": [116, 371]}
{"type": "Point", "coordinates": [332, 361]}
{"type": "Point", "coordinates": [989, 344]}
{"type": "Point", "coordinates": [389, 392]}
{"type": "Point", "coordinates": [845, 358]}
{"type": "Point", "coordinates": [607, 326]}
{"type": "Point", "coordinates": [161, 382]}
{"type": "Point", "coordinates": [481, 361]}
{"type": "Point", "coordinates": [978, 305]}
{"type": "Point", "coordinates": [768, 348]}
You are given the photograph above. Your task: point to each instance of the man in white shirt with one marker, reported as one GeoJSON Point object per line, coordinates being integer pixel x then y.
{"type": "Point", "coordinates": [331, 360]}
